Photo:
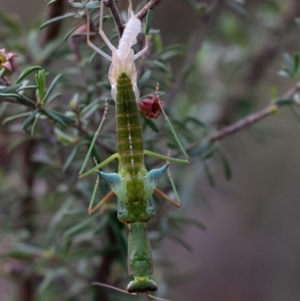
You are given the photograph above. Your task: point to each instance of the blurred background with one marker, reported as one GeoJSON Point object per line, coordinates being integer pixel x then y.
{"type": "Point", "coordinates": [217, 61]}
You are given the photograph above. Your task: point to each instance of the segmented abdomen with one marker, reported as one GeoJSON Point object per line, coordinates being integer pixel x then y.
{"type": "Point", "coordinates": [129, 133]}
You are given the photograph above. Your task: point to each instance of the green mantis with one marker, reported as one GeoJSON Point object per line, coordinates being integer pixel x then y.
{"type": "Point", "coordinates": [133, 184]}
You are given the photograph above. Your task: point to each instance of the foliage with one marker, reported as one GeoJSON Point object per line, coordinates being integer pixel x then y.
{"type": "Point", "coordinates": [56, 96]}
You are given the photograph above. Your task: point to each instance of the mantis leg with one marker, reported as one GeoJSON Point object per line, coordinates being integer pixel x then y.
{"type": "Point", "coordinates": [93, 141]}
{"type": "Point", "coordinates": [162, 157]}
{"type": "Point", "coordinates": [173, 131]}
{"type": "Point", "coordinates": [176, 203]}
{"type": "Point", "coordinates": [143, 51]}
{"type": "Point", "coordinates": [98, 166]}
{"type": "Point", "coordinates": [103, 201]}
{"type": "Point", "coordinates": [102, 33]}
{"type": "Point", "coordinates": [94, 47]}
{"type": "Point", "coordinates": [164, 196]}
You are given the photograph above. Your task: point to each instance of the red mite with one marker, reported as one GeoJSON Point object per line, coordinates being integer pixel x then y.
{"type": "Point", "coordinates": [150, 106]}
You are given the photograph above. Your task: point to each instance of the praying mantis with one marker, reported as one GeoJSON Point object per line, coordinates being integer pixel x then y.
{"type": "Point", "coordinates": [133, 184]}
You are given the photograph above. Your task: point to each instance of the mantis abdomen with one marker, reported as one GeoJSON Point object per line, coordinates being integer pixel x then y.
{"type": "Point", "coordinates": [129, 132]}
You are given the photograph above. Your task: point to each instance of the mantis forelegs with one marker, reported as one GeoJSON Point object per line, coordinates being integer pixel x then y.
{"type": "Point", "coordinates": [94, 140]}
{"type": "Point", "coordinates": [94, 47]}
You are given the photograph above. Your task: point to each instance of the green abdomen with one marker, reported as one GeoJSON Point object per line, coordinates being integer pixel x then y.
{"type": "Point", "coordinates": [129, 133]}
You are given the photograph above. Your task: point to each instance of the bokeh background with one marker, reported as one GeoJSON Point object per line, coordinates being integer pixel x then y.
{"type": "Point", "coordinates": [250, 249]}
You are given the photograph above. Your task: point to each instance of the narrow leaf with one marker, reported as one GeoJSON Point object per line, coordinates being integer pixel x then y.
{"type": "Point", "coordinates": [226, 166]}
{"type": "Point", "coordinates": [70, 159]}
{"type": "Point", "coordinates": [26, 72]}
{"type": "Point", "coordinates": [148, 21]}
{"type": "Point", "coordinates": [51, 88]}
{"type": "Point", "coordinates": [283, 101]}
{"type": "Point", "coordinates": [144, 79]}
{"type": "Point", "coordinates": [52, 115]}
{"type": "Point", "coordinates": [296, 62]}
{"type": "Point", "coordinates": [151, 125]}
{"type": "Point", "coordinates": [29, 120]}
{"type": "Point", "coordinates": [64, 118]}
{"type": "Point", "coordinates": [26, 101]}
{"type": "Point", "coordinates": [208, 173]}
{"type": "Point", "coordinates": [68, 15]}
{"type": "Point", "coordinates": [11, 118]}
{"type": "Point", "coordinates": [210, 151]}
{"type": "Point", "coordinates": [10, 88]}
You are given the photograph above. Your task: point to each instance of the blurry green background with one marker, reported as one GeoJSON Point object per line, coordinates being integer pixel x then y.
{"type": "Point", "coordinates": [251, 248]}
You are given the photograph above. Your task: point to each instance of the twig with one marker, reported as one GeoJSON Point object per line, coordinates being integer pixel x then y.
{"type": "Point", "coordinates": [10, 100]}
{"type": "Point", "coordinates": [191, 54]}
{"type": "Point", "coordinates": [116, 15]}
{"type": "Point", "coordinates": [150, 5]}
{"type": "Point", "coordinates": [259, 64]}
{"type": "Point", "coordinates": [249, 120]}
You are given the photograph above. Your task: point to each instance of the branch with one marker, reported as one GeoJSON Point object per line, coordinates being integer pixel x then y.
{"type": "Point", "coordinates": [10, 100]}
{"type": "Point", "coordinates": [191, 54]}
{"type": "Point", "coordinates": [249, 120]}
{"type": "Point", "coordinates": [259, 64]}
{"type": "Point", "coordinates": [150, 5]}
{"type": "Point", "coordinates": [116, 15]}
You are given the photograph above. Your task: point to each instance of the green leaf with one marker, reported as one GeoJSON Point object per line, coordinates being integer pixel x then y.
{"type": "Point", "coordinates": [296, 62]}
{"type": "Point", "coordinates": [26, 72]}
{"type": "Point", "coordinates": [297, 20]}
{"type": "Point", "coordinates": [10, 88]}
{"type": "Point", "coordinates": [11, 118]}
{"type": "Point", "coordinates": [70, 32]}
{"type": "Point", "coordinates": [226, 166]}
{"type": "Point", "coordinates": [53, 96]}
{"type": "Point", "coordinates": [151, 125]}
{"type": "Point", "coordinates": [145, 77]}
{"type": "Point", "coordinates": [52, 1]}
{"type": "Point", "coordinates": [29, 120]}
{"type": "Point", "coordinates": [236, 7]}
{"type": "Point", "coordinates": [201, 149]}
{"type": "Point", "coordinates": [92, 5]}
{"type": "Point", "coordinates": [51, 88]}
{"type": "Point", "coordinates": [283, 101]}
{"type": "Point", "coordinates": [295, 113]}
{"type": "Point", "coordinates": [210, 151]}
{"type": "Point", "coordinates": [288, 61]}
{"type": "Point", "coordinates": [158, 64]}
{"type": "Point", "coordinates": [181, 241]}
{"type": "Point", "coordinates": [26, 101]}
{"type": "Point", "coordinates": [68, 15]}
{"type": "Point", "coordinates": [65, 119]}
{"type": "Point", "coordinates": [54, 116]}
{"type": "Point", "coordinates": [63, 137]}
{"type": "Point", "coordinates": [33, 127]}
{"type": "Point", "coordinates": [40, 79]}
{"type": "Point", "coordinates": [208, 173]}
{"type": "Point", "coordinates": [148, 21]}
{"type": "Point", "coordinates": [70, 159]}
{"type": "Point", "coordinates": [188, 220]}
{"type": "Point", "coordinates": [170, 51]}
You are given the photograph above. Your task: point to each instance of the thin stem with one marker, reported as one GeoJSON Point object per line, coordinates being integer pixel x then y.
{"type": "Point", "coordinates": [111, 4]}
{"type": "Point", "coordinates": [150, 5]}
{"type": "Point", "coordinates": [249, 120]}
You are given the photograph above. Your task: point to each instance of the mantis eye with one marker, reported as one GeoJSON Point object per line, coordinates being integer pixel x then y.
{"type": "Point", "coordinates": [150, 106]}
